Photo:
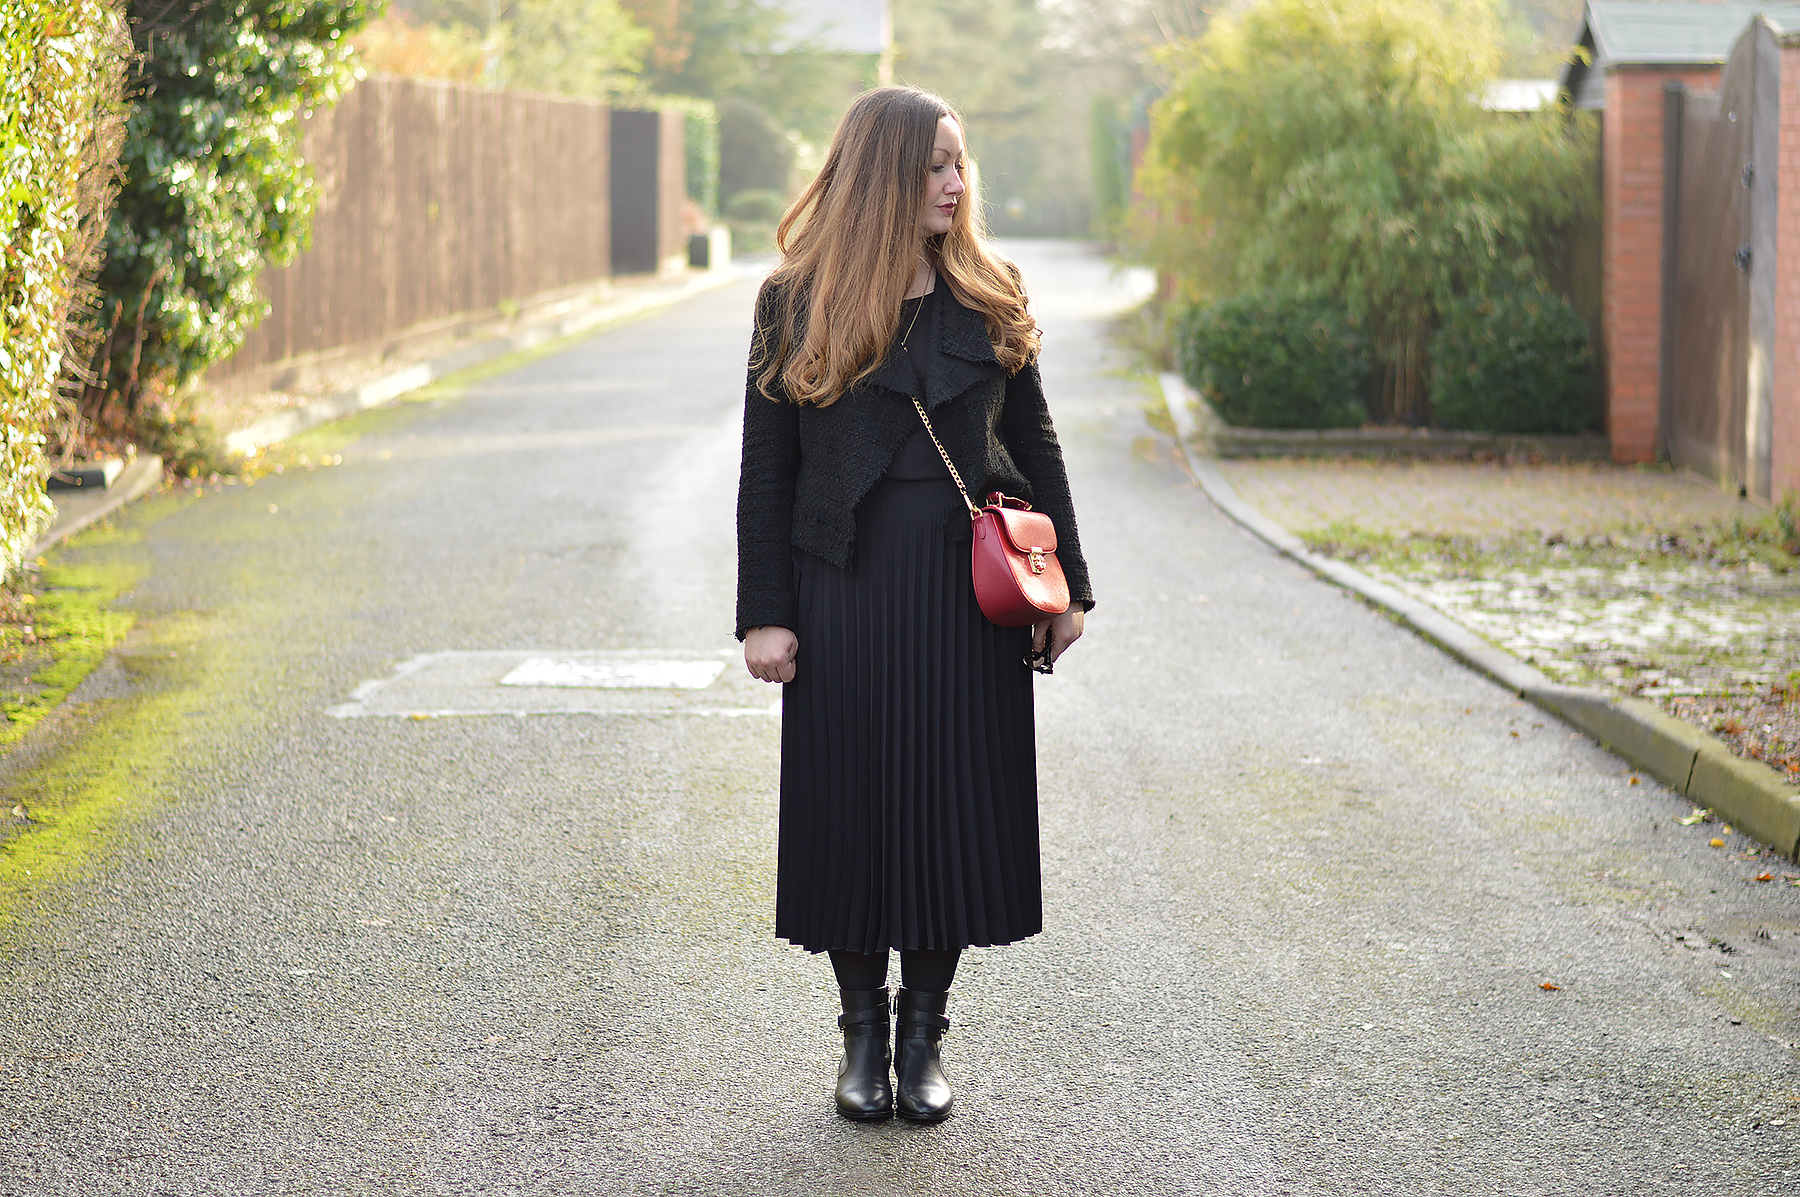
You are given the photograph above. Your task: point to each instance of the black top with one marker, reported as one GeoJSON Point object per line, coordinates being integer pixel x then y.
{"type": "Point", "coordinates": [917, 459]}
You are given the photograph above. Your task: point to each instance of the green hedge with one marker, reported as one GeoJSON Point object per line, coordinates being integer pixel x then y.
{"type": "Point", "coordinates": [215, 186]}
{"type": "Point", "coordinates": [60, 64]}
{"type": "Point", "coordinates": [700, 120]}
{"type": "Point", "coordinates": [1513, 362]}
{"type": "Point", "coordinates": [1276, 359]}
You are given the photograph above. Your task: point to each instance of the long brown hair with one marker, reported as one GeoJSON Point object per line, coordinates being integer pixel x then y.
{"type": "Point", "coordinates": [849, 250]}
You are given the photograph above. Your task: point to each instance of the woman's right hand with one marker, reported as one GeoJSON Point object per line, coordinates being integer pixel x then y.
{"type": "Point", "coordinates": [769, 653]}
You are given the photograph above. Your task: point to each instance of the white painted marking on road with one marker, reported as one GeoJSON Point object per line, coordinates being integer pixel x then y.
{"type": "Point", "coordinates": [616, 675]}
{"type": "Point", "coordinates": [535, 682]}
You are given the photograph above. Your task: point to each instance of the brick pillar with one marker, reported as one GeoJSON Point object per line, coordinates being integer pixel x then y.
{"type": "Point", "coordinates": [1631, 249]}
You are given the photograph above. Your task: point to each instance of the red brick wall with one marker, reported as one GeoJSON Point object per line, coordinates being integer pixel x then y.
{"type": "Point", "coordinates": [1784, 473]}
{"type": "Point", "coordinates": [1631, 249]}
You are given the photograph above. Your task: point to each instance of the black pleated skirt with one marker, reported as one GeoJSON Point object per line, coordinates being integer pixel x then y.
{"type": "Point", "coordinates": [908, 754]}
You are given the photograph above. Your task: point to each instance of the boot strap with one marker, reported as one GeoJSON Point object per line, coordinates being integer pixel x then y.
{"type": "Point", "coordinates": [922, 1024]}
{"type": "Point", "coordinates": [870, 1022]}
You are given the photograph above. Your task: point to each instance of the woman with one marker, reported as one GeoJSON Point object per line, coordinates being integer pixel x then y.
{"type": "Point", "coordinates": [908, 767]}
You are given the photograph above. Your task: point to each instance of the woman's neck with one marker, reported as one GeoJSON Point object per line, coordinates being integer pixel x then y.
{"type": "Point", "coordinates": [923, 278]}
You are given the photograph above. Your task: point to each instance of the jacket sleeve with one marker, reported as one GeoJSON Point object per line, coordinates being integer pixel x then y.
{"type": "Point", "coordinates": [765, 510]}
{"type": "Point", "coordinates": [1030, 438]}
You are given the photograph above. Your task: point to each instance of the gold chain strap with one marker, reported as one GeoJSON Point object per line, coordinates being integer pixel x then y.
{"type": "Point", "coordinates": [974, 511]}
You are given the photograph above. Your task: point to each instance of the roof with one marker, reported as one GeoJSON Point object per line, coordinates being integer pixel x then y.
{"type": "Point", "coordinates": [838, 26]}
{"type": "Point", "coordinates": [1650, 33]}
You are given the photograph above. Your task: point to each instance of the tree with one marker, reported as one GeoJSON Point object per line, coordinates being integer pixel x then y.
{"type": "Point", "coordinates": [214, 187]}
{"type": "Point", "coordinates": [581, 48]}
{"type": "Point", "coordinates": [397, 44]}
{"type": "Point", "coordinates": [1338, 146]}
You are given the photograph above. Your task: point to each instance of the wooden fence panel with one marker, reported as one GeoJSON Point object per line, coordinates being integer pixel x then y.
{"type": "Point", "coordinates": [1718, 367]}
{"type": "Point", "coordinates": [437, 204]}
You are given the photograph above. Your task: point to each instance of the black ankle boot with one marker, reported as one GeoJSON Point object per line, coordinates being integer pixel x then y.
{"type": "Point", "coordinates": [921, 1092]}
{"type": "Point", "coordinates": [863, 1089]}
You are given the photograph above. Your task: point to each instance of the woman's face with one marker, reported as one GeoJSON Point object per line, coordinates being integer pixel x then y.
{"type": "Point", "coordinates": [944, 180]}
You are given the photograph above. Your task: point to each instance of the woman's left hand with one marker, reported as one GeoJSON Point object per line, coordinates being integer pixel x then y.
{"type": "Point", "coordinates": [1063, 630]}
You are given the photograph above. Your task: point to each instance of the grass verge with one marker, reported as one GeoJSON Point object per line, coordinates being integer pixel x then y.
{"type": "Point", "coordinates": [57, 623]}
{"type": "Point", "coordinates": [1702, 619]}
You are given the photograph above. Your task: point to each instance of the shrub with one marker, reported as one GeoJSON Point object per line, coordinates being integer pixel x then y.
{"type": "Point", "coordinates": [215, 187]}
{"type": "Point", "coordinates": [61, 62]}
{"type": "Point", "coordinates": [752, 216]}
{"type": "Point", "coordinates": [1340, 146]}
{"type": "Point", "coordinates": [1513, 362]}
{"type": "Point", "coordinates": [1276, 359]}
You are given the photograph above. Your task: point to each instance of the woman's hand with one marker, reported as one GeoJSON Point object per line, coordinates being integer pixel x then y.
{"type": "Point", "coordinates": [769, 653]}
{"type": "Point", "coordinates": [1063, 630]}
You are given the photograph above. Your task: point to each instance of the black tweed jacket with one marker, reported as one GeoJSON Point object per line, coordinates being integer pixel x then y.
{"type": "Point", "coordinates": [806, 468]}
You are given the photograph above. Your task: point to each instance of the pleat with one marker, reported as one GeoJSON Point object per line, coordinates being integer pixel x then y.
{"type": "Point", "coordinates": [908, 772]}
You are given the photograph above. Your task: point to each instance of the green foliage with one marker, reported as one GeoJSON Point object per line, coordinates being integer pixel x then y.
{"type": "Point", "coordinates": [700, 133]}
{"type": "Point", "coordinates": [995, 60]}
{"type": "Point", "coordinates": [754, 154]}
{"type": "Point", "coordinates": [758, 205]}
{"type": "Point", "coordinates": [1339, 145]}
{"type": "Point", "coordinates": [60, 66]}
{"type": "Point", "coordinates": [1276, 359]}
{"type": "Point", "coordinates": [1109, 152]}
{"type": "Point", "coordinates": [752, 216]}
{"type": "Point", "coordinates": [1787, 523]}
{"type": "Point", "coordinates": [215, 186]}
{"type": "Point", "coordinates": [72, 624]}
{"type": "Point", "coordinates": [583, 48]}
{"type": "Point", "coordinates": [1513, 362]}
{"type": "Point", "coordinates": [588, 49]}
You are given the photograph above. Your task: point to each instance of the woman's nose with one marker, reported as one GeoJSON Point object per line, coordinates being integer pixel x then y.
{"type": "Point", "coordinates": [955, 186]}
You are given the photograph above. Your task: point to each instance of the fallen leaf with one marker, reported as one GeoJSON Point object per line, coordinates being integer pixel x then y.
{"type": "Point", "coordinates": [1765, 876]}
{"type": "Point", "coordinates": [1716, 842]}
{"type": "Point", "coordinates": [1699, 816]}
{"type": "Point", "coordinates": [1634, 779]}
{"type": "Point", "coordinates": [1548, 985]}
{"type": "Point", "coordinates": [1515, 735]}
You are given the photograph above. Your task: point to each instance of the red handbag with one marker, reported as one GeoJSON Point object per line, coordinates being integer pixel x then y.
{"type": "Point", "coordinates": [1018, 580]}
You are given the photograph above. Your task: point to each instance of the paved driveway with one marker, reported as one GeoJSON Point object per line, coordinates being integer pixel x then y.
{"type": "Point", "coordinates": [1325, 912]}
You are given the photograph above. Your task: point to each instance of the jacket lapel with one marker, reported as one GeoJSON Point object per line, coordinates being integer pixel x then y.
{"type": "Point", "coordinates": [961, 356]}
{"type": "Point", "coordinates": [896, 372]}
{"type": "Point", "coordinates": [964, 354]}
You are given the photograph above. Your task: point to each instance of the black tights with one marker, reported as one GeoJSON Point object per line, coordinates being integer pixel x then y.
{"type": "Point", "coordinates": [928, 970]}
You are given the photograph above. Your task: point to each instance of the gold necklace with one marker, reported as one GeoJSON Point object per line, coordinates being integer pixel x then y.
{"type": "Point", "coordinates": [915, 320]}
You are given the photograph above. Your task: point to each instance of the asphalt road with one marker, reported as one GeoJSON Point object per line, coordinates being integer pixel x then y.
{"type": "Point", "coordinates": [1306, 879]}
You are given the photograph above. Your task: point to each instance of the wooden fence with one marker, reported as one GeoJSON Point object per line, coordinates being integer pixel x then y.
{"type": "Point", "coordinates": [1720, 269]}
{"type": "Point", "coordinates": [439, 205]}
